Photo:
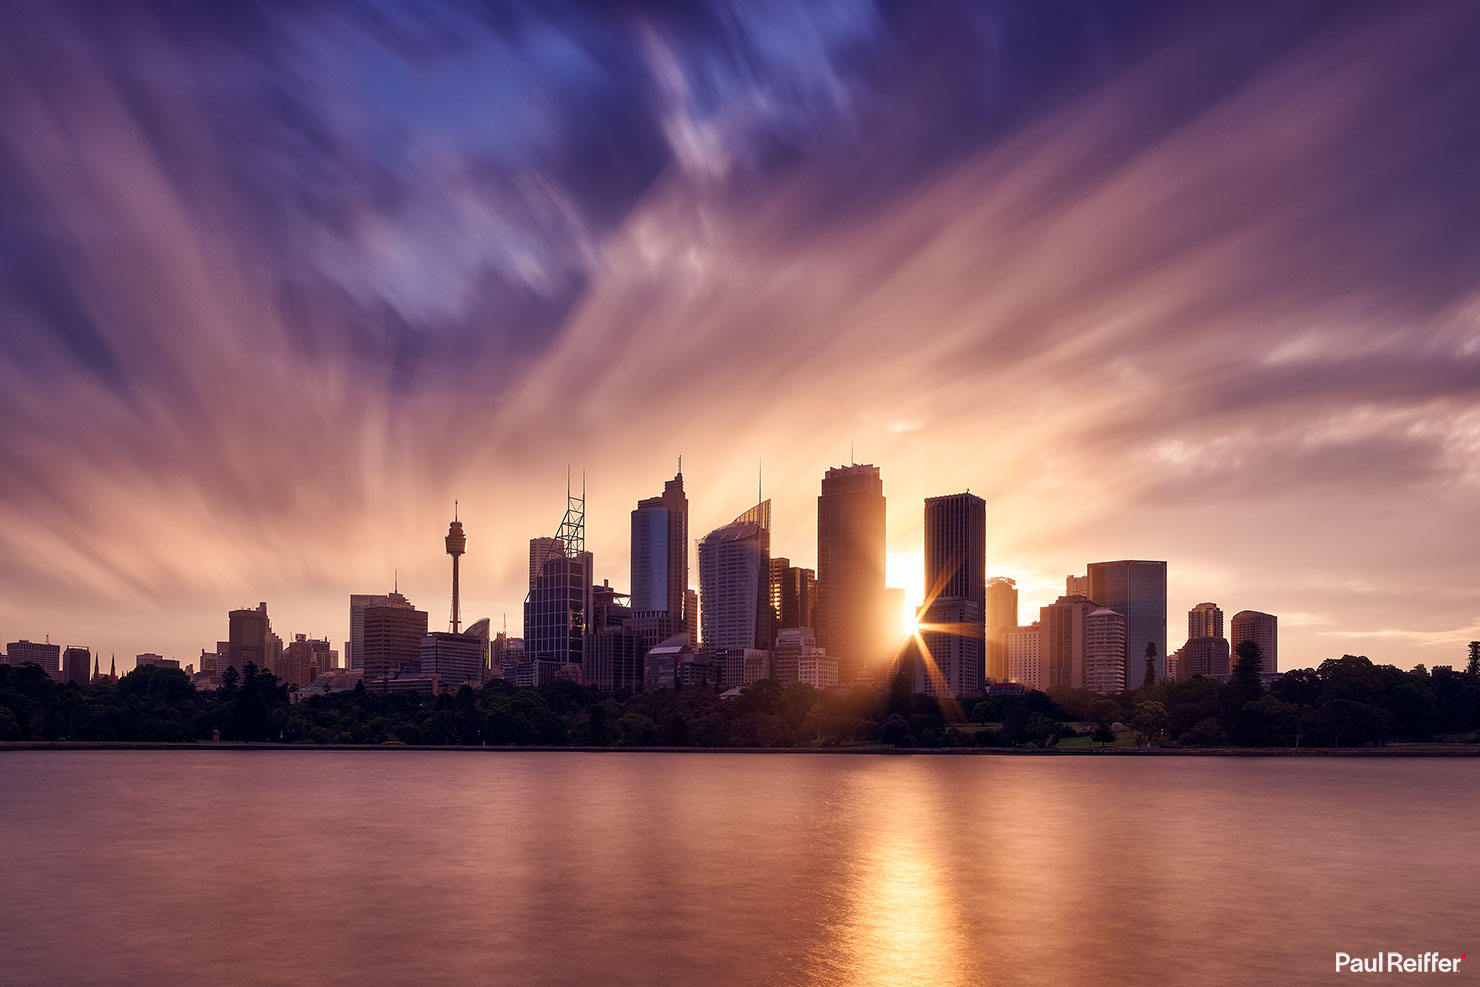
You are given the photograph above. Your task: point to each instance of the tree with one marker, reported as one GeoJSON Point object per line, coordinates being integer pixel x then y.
{"type": "Point", "coordinates": [1150, 723]}
{"type": "Point", "coordinates": [230, 678]}
{"type": "Point", "coordinates": [896, 731]}
{"type": "Point", "coordinates": [1246, 684]}
{"type": "Point", "coordinates": [1150, 663]}
{"type": "Point", "coordinates": [1104, 735]}
{"type": "Point", "coordinates": [1474, 666]}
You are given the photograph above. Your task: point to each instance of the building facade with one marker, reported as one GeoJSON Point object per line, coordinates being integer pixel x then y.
{"type": "Point", "coordinates": [1062, 626]}
{"type": "Point", "coordinates": [1205, 620]}
{"type": "Point", "coordinates": [734, 583]}
{"type": "Point", "coordinates": [1136, 589]}
{"type": "Point", "coordinates": [850, 570]}
{"type": "Point", "coordinates": [392, 642]}
{"type": "Point", "coordinates": [1104, 651]}
{"type": "Point", "coordinates": [1264, 630]}
{"type": "Point", "coordinates": [1025, 655]}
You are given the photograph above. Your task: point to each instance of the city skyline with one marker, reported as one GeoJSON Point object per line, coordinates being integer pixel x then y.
{"type": "Point", "coordinates": [909, 620]}
{"type": "Point", "coordinates": [1146, 305]}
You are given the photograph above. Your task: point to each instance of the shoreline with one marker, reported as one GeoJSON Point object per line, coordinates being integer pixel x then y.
{"type": "Point", "coordinates": [97, 745]}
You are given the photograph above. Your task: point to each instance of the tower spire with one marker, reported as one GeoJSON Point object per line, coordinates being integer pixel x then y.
{"type": "Point", "coordinates": [457, 543]}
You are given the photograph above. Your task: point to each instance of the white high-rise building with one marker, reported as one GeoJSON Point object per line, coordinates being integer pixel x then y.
{"type": "Point", "coordinates": [734, 582]}
{"type": "Point", "coordinates": [1104, 651]}
{"type": "Point", "coordinates": [1025, 655]}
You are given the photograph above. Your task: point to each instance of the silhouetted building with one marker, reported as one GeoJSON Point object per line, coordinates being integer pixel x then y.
{"type": "Point", "coordinates": [76, 666]}
{"type": "Point", "coordinates": [850, 624]}
{"type": "Point", "coordinates": [540, 551]}
{"type": "Point", "coordinates": [1204, 656]}
{"type": "Point", "coordinates": [1025, 655]}
{"type": "Point", "coordinates": [358, 602]}
{"type": "Point", "coordinates": [793, 594]}
{"type": "Point", "coordinates": [455, 659]}
{"type": "Point", "coordinates": [691, 615]}
{"type": "Point", "coordinates": [1104, 651]}
{"type": "Point", "coordinates": [952, 648]}
{"type": "Point", "coordinates": [1001, 617]}
{"type": "Point", "coordinates": [251, 640]}
{"type": "Point", "coordinates": [48, 656]}
{"type": "Point", "coordinates": [557, 612]}
{"type": "Point", "coordinates": [392, 641]}
{"type": "Point", "coordinates": [614, 659]}
{"type": "Point", "coordinates": [1138, 590]}
{"type": "Point", "coordinates": [660, 550]}
{"type": "Point", "coordinates": [155, 661]}
{"type": "Point", "coordinates": [955, 573]}
{"type": "Point", "coordinates": [1062, 626]}
{"type": "Point", "coordinates": [305, 659]}
{"type": "Point", "coordinates": [1264, 630]}
{"type": "Point", "coordinates": [660, 666]}
{"type": "Point", "coordinates": [734, 582]}
{"type": "Point", "coordinates": [1204, 620]}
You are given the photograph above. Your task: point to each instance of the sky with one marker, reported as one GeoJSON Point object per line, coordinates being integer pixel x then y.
{"type": "Point", "coordinates": [280, 282]}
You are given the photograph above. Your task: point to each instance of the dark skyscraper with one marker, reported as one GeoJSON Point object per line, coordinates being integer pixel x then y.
{"type": "Point", "coordinates": [956, 573]}
{"type": "Point", "coordinates": [1137, 589]}
{"type": "Point", "coordinates": [561, 604]}
{"type": "Point", "coordinates": [793, 594]}
{"type": "Point", "coordinates": [75, 665]}
{"type": "Point", "coordinates": [660, 550]}
{"type": "Point", "coordinates": [850, 570]}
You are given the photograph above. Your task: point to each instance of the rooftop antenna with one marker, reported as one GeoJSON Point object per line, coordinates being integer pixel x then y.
{"type": "Point", "coordinates": [758, 481]}
{"type": "Point", "coordinates": [852, 460]}
{"type": "Point", "coordinates": [395, 580]}
{"type": "Point", "coordinates": [680, 464]}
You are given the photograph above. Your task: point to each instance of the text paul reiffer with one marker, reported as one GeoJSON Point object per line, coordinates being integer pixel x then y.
{"type": "Point", "coordinates": [1398, 963]}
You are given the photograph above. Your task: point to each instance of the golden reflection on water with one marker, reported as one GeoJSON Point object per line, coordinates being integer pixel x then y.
{"type": "Point", "coordinates": [903, 920]}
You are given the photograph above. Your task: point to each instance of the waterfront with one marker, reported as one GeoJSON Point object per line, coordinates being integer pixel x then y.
{"type": "Point", "coordinates": [638, 868]}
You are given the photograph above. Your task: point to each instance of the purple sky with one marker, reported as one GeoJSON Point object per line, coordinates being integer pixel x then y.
{"type": "Point", "coordinates": [1192, 282]}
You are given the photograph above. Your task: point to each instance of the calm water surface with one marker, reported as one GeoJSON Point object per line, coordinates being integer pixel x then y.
{"type": "Point", "coordinates": [219, 867]}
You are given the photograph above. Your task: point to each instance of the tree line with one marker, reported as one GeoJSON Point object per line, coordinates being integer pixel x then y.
{"type": "Point", "coordinates": [1347, 701]}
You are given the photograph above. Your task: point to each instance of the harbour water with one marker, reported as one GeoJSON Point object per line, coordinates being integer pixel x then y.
{"type": "Point", "coordinates": [556, 868]}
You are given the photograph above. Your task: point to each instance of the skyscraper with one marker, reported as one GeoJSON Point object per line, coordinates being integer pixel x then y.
{"type": "Point", "coordinates": [1264, 630]}
{"type": "Point", "coordinates": [1205, 620]}
{"type": "Point", "coordinates": [1062, 625]}
{"type": "Point", "coordinates": [734, 582]}
{"type": "Point", "coordinates": [953, 622]}
{"type": "Point", "coordinates": [393, 636]}
{"type": "Point", "coordinates": [1104, 651]}
{"type": "Point", "coordinates": [1001, 618]}
{"type": "Point", "coordinates": [793, 594]}
{"type": "Point", "coordinates": [850, 570]}
{"type": "Point", "coordinates": [249, 638]}
{"type": "Point", "coordinates": [75, 665]}
{"type": "Point", "coordinates": [561, 603]}
{"type": "Point", "coordinates": [358, 603]}
{"type": "Point", "coordinates": [1138, 590]}
{"type": "Point", "coordinates": [540, 550]}
{"type": "Point", "coordinates": [660, 550]}
{"type": "Point", "coordinates": [950, 628]}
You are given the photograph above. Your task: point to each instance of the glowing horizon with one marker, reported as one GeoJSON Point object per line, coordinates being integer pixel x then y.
{"type": "Point", "coordinates": [262, 329]}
